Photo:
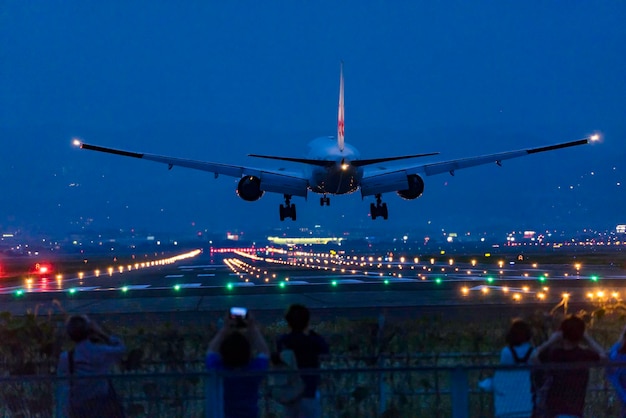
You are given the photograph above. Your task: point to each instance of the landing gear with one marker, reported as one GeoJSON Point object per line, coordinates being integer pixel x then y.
{"type": "Point", "coordinates": [325, 201]}
{"type": "Point", "coordinates": [288, 210]}
{"type": "Point", "coordinates": [378, 209]}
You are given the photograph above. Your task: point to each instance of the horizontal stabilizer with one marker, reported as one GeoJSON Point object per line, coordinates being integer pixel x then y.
{"type": "Point", "coordinates": [361, 163]}
{"type": "Point", "coordinates": [320, 163]}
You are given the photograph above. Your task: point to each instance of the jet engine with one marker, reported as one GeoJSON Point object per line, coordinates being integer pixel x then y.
{"type": "Point", "coordinates": [249, 188]}
{"type": "Point", "coordinates": [415, 190]}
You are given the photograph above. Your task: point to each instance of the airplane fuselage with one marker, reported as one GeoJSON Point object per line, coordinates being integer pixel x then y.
{"type": "Point", "coordinates": [333, 167]}
{"type": "Point", "coordinates": [338, 178]}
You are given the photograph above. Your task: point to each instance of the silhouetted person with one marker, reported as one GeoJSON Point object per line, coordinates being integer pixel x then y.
{"type": "Point", "coordinates": [565, 395]}
{"type": "Point", "coordinates": [307, 345]}
{"type": "Point", "coordinates": [94, 353]}
{"type": "Point", "coordinates": [617, 375]}
{"type": "Point", "coordinates": [513, 389]}
{"type": "Point", "coordinates": [239, 346]}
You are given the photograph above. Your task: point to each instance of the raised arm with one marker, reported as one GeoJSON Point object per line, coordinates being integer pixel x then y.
{"type": "Point", "coordinates": [555, 338]}
{"type": "Point", "coordinates": [595, 346]}
{"type": "Point", "coordinates": [256, 338]}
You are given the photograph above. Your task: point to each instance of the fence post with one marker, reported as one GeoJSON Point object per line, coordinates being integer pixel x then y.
{"type": "Point", "coordinates": [60, 397]}
{"type": "Point", "coordinates": [382, 394]}
{"type": "Point", "coordinates": [214, 395]}
{"type": "Point", "coordinates": [459, 392]}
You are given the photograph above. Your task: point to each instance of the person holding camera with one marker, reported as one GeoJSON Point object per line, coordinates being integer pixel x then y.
{"type": "Point", "coordinates": [239, 346]}
{"type": "Point", "coordinates": [95, 352]}
{"type": "Point", "coordinates": [565, 389]}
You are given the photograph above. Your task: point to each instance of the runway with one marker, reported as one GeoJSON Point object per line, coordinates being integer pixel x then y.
{"type": "Point", "coordinates": [204, 286]}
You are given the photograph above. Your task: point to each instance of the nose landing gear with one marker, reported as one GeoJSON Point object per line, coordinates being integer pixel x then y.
{"type": "Point", "coordinates": [379, 208]}
{"type": "Point", "coordinates": [288, 210]}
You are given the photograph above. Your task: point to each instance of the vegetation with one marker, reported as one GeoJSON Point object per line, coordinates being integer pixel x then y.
{"type": "Point", "coordinates": [32, 343]}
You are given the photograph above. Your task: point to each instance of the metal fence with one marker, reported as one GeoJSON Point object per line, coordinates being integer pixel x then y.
{"type": "Point", "coordinates": [443, 391]}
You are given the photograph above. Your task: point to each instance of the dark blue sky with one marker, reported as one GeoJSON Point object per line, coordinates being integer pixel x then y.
{"type": "Point", "coordinates": [218, 80]}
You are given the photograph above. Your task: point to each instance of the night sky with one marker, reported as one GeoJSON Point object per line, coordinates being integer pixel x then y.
{"type": "Point", "coordinates": [216, 81]}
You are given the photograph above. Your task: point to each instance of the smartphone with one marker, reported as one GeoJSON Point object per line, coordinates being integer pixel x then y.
{"type": "Point", "coordinates": [238, 312]}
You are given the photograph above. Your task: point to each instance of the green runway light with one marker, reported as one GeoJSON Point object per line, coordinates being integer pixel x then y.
{"type": "Point", "coordinates": [281, 285]}
{"type": "Point", "coordinates": [229, 286]}
{"type": "Point", "coordinates": [177, 287]}
{"type": "Point", "coordinates": [594, 278]}
{"type": "Point", "coordinates": [19, 292]}
{"type": "Point", "coordinates": [386, 281]}
{"type": "Point", "coordinates": [72, 291]}
{"type": "Point", "coordinates": [438, 280]}
{"type": "Point", "coordinates": [542, 278]}
{"type": "Point", "coordinates": [125, 289]}
{"type": "Point", "coordinates": [333, 283]}
{"type": "Point", "coordinates": [489, 279]}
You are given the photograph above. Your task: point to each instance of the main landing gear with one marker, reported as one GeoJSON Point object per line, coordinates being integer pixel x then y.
{"type": "Point", "coordinates": [325, 200]}
{"type": "Point", "coordinates": [288, 210]}
{"type": "Point", "coordinates": [378, 209]}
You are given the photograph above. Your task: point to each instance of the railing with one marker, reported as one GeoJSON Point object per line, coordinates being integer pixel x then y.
{"type": "Point", "coordinates": [369, 392]}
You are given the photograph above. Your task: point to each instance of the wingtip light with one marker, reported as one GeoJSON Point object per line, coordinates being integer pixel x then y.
{"type": "Point", "coordinates": [594, 138]}
{"type": "Point", "coordinates": [77, 143]}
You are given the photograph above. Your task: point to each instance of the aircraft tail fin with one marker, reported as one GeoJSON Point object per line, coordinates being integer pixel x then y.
{"type": "Point", "coordinates": [340, 116]}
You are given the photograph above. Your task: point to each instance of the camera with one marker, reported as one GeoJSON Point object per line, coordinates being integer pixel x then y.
{"type": "Point", "coordinates": [239, 316]}
{"type": "Point", "coordinates": [237, 312]}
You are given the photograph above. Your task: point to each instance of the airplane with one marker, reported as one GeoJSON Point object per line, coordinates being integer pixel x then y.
{"type": "Point", "coordinates": [333, 167]}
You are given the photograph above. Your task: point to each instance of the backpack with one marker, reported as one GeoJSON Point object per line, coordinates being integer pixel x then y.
{"type": "Point", "coordinates": [522, 360]}
{"type": "Point", "coordinates": [286, 387]}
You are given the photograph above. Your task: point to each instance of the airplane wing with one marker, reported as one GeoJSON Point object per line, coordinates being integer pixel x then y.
{"type": "Point", "coordinates": [274, 181]}
{"type": "Point", "coordinates": [393, 180]}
